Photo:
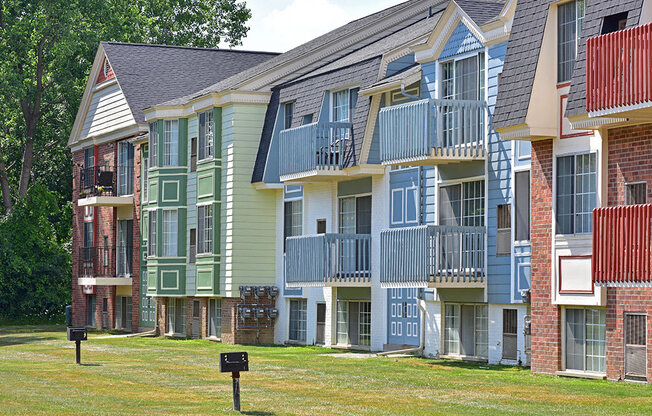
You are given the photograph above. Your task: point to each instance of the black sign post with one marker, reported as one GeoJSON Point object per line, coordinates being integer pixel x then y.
{"type": "Point", "coordinates": [78, 335]}
{"type": "Point", "coordinates": [234, 362]}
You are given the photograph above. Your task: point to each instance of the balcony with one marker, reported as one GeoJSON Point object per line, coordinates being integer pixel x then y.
{"type": "Point", "coordinates": [328, 260]}
{"type": "Point", "coordinates": [105, 266]}
{"type": "Point", "coordinates": [618, 76]}
{"type": "Point", "coordinates": [622, 245]}
{"type": "Point", "coordinates": [318, 149]}
{"type": "Point", "coordinates": [432, 132]}
{"type": "Point", "coordinates": [433, 256]}
{"type": "Point", "coordinates": [106, 185]}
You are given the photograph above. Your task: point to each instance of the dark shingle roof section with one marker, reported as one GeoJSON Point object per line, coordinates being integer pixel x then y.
{"type": "Point", "coordinates": [520, 63]}
{"type": "Point", "coordinates": [481, 11]}
{"type": "Point", "coordinates": [150, 74]}
{"type": "Point", "coordinates": [341, 34]}
{"type": "Point", "coordinates": [308, 94]}
{"type": "Point", "coordinates": [592, 25]}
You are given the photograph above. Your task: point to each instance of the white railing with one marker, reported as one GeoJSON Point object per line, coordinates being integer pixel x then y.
{"type": "Point", "coordinates": [453, 129]}
{"type": "Point", "coordinates": [328, 258]}
{"type": "Point", "coordinates": [432, 254]}
{"type": "Point", "coordinates": [317, 146]}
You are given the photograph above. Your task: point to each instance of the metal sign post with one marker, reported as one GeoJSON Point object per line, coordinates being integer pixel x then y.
{"type": "Point", "coordinates": [234, 363]}
{"type": "Point", "coordinates": [78, 335]}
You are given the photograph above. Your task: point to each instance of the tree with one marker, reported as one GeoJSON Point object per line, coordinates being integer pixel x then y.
{"type": "Point", "coordinates": [46, 51]}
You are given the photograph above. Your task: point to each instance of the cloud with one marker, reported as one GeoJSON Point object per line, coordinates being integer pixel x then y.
{"type": "Point", "coordinates": [282, 29]}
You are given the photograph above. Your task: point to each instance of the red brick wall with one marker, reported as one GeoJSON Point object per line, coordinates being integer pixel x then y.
{"type": "Point", "coordinates": [629, 160]}
{"type": "Point", "coordinates": [101, 77]}
{"type": "Point", "coordinates": [623, 300]}
{"type": "Point", "coordinates": [546, 331]}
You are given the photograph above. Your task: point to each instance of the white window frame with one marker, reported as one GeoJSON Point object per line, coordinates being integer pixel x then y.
{"type": "Point", "coordinates": [598, 184]}
{"type": "Point", "coordinates": [172, 245]}
{"type": "Point", "coordinates": [153, 144]}
{"type": "Point", "coordinates": [402, 220]}
{"type": "Point", "coordinates": [207, 151]}
{"type": "Point", "coordinates": [171, 143]}
{"type": "Point", "coordinates": [207, 243]}
{"type": "Point", "coordinates": [152, 231]}
{"type": "Point", "coordinates": [564, 335]}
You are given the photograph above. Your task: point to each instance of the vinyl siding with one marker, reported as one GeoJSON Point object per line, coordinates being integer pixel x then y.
{"type": "Point", "coordinates": [191, 269]}
{"type": "Point", "coordinates": [108, 111]}
{"type": "Point", "coordinates": [248, 216]}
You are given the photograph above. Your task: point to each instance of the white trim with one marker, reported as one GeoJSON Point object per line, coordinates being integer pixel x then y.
{"type": "Point", "coordinates": [199, 177]}
{"type": "Point", "coordinates": [212, 272]}
{"type": "Point", "coordinates": [177, 279]}
{"type": "Point", "coordinates": [620, 109]}
{"type": "Point", "coordinates": [417, 205]}
{"type": "Point", "coordinates": [163, 182]}
{"type": "Point", "coordinates": [402, 221]}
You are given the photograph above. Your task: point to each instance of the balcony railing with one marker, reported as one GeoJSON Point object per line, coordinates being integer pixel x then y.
{"type": "Point", "coordinates": [105, 261]}
{"type": "Point", "coordinates": [106, 180]}
{"type": "Point", "coordinates": [446, 129]}
{"type": "Point", "coordinates": [317, 146]}
{"type": "Point", "coordinates": [622, 245]}
{"type": "Point", "coordinates": [618, 69]}
{"type": "Point", "coordinates": [433, 255]}
{"type": "Point", "coordinates": [318, 260]}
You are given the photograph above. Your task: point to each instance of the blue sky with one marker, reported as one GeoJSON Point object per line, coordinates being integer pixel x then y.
{"type": "Point", "coordinates": [279, 25]}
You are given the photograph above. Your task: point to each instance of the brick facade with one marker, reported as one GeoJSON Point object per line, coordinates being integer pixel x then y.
{"type": "Point", "coordinates": [546, 330]}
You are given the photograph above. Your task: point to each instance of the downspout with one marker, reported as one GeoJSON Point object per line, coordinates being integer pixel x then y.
{"type": "Point", "coordinates": [421, 303]}
{"type": "Point", "coordinates": [406, 94]}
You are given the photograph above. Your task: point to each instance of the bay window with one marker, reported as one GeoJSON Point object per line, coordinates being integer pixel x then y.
{"type": "Point", "coordinates": [171, 143]}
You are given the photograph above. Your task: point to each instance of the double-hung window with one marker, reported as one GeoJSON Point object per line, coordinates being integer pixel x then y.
{"type": "Point", "coordinates": [170, 233]}
{"type": "Point", "coordinates": [171, 143]}
{"type": "Point", "coordinates": [288, 110]}
{"type": "Point", "coordinates": [570, 17]}
{"type": "Point", "coordinates": [576, 193]}
{"type": "Point", "coordinates": [342, 109]}
{"type": "Point", "coordinates": [153, 144]}
{"type": "Point", "coordinates": [151, 240]}
{"type": "Point", "coordinates": [205, 229]}
{"type": "Point", "coordinates": [206, 134]}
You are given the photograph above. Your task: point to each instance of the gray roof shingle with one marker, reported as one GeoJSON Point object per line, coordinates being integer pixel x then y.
{"type": "Point", "coordinates": [149, 74]}
{"type": "Point", "coordinates": [481, 11]}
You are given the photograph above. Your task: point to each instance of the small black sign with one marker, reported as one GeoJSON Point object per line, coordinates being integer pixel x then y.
{"type": "Point", "coordinates": [77, 334]}
{"type": "Point", "coordinates": [234, 361]}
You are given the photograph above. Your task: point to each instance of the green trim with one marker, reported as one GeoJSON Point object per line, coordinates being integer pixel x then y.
{"type": "Point", "coordinates": [217, 136]}
{"type": "Point", "coordinates": [160, 126]}
{"type": "Point", "coordinates": [183, 142]}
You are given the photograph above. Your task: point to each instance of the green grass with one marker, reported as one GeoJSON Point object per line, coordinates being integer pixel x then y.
{"type": "Point", "coordinates": [160, 376]}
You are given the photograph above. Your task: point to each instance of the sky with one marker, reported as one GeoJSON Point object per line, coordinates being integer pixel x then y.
{"type": "Point", "coordinates": [280, 25]}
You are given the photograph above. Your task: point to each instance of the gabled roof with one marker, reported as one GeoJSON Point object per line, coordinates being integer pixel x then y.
{"type": "Point", "coordinates": [150, 74]}
{"type": "Point", "coordinates": [595, 11]}
{"type": "Point", "coordinates": [482, 11]}
{"type": "Point", "coordinates": [321, 50]}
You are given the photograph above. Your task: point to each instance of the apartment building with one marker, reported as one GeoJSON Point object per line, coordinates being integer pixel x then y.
{"type": "Point", "coordinates": [577, 85]}
{"type": "Point", "coordinates": [108, 291]}
{"type": "Point", "coordinates": [393, 182]}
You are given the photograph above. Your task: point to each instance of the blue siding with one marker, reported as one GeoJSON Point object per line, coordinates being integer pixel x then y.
{"type": "Point", "coordinates": [374, 148]}
{"type": "Point", "coordinates": [429, 80]}
{"type": "Point", "coordinates": [271, 166]}
{"type": "Point", "coordinates": [428, 199]}
{"type": "Point", "coordinates": [499, 174]}
{"type": "Point", "coordinates": [399, 64]}
{"type": "Point", "coordinates": [521, 270]}
{"type": "Point", "coordinates": [461, 41]}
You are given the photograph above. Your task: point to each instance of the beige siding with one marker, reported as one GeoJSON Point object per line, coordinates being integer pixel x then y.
{"type": "Point", "coordinates": [108, 111]}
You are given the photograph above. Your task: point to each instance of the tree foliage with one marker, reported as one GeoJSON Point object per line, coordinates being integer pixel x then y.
{"type": "Point", "coordinates": [47, 48]}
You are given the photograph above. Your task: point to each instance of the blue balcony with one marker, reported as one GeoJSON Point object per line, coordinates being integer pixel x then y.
{"type": "Point", "coordinates": [433, 256]}
{"type": "Point", "coordinates": [317, 148]}
{"type": "Point", "coordinates": [328, 260]}
{"type": "Point", "coordinates": [433, 131]}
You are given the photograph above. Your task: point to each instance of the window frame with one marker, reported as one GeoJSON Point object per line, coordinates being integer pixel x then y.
{"type": "Point", "coordinates": [205, 135]}
{"type": "Point", "coordinates": [170, 143]}
{"type": "Point", "coordinates": [574, 213]}
{"type": "Point", "coordinates": [586, 339]}
{"type": "Point", "coordinates": [302, 316]}
{"type": "Point", "coordinates": [153, 144]}
{"type": "Point", "coordinates": [174, 243]}
{"type": "Point", "coordinates": [578, 23]}
{"type": "Point", "coordinates": [463, 198]}
{"type": "Point", "coordinates": [287, 121]}
{"type": "Point", "coordinates": [152, 233]}
{"type": "Point", "coordinates": [481, 56]}
{"type": "Point", "coordinates": [205, 231]}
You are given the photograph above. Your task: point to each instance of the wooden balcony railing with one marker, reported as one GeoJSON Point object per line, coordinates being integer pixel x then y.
{"type": "Point", "coordinates": [433, 255]}
{"type": "Point", "coordinates": [317, 260]}
{"type": "Point", "coordinates": [449, 129]}
{"type": "Point", "coordinates": [317, 146]}
{"type": "Point", "coordinates": [618, 69]}
{"type": "Point", "coordinates": [622, 245]}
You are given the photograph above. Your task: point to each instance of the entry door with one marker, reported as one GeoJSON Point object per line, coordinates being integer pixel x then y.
{"type": "Point", "coordinates": [404, 315]}
{"type": "Point", "coordinates": [321, 323]}
{"type": "Point", "coordinates": [196, 321]}
{"type": "Point", "coordinates": [635, 346]}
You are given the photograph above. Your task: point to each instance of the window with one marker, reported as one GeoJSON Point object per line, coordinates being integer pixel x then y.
{"type": "Point", "coordinates": [585, 340]}
{"type": "Point", "coordinates": [576, 193]}
{"type": "Point", "coordinates": [292, 220]}
{"type": "Point", "coordinates": [614, 23]}
{"type": "Point", "coordinates": [193, 154]}
{"type": "Point", "coordinates": [89, 158]}
{"type": "Point", "coordinates": [91, 306]}
{"type": "Point", "coordinates": [107, 68]}
{"type": "Point", "coordinates": [123, 312]}
{"type": "Point", "coordinates": [635, 347]}
{"type": "Point", "coordinates": [307, 119]}
{"type": "Point", "coordinates": [151, 240]}
{"type": "Point", "coordinates": [153, 144]}
{"type": "Point", "coordinates": [288, 110]}
{"type": "Point", "coordinates": [144, 187]}
{"type": "Point", "coordinates": [125, 168]}
{"type": "Point", "coordinates": [353, 323]}
{"type": "Point", "coordinates": [298, 320]}
{"type": "Point", "coordinates": [510, 334]}
{"type": "Point", "coordinates": [466, 330]}
{"type": "Point", "coordinates": [177, 316]}
{"type": "Point", "coordinates": [125, 247]}
{"type": "Point", "coordinates": [170, 229]}
{"type": "Point", "coordinates": [504, 230]}
{"type": "Point", "coordinates": [321, 226]}
{"type": "Point", "coordinates": [205, 227]}
{"type": "Point", "coordinates": [215, 318]}
{"type": "Point", "coordinates": [193, 246]}
{"type": "Point", "coordinates": [569, 29]}
{"type": "Point", "coordinates": [171, 143]}
{"type": "Point", "coordinates": [635, 193]}
{"type": "Point", "coordinates": [462, 204]}
{"type": "Point", "coordinates": [206, 134]}
{"type": "Point", "coordinates": [522, 197]}
{"type": "Point", "coordinates": [341, 106]}
{"type": "Point", "coordinates": [88, 234]}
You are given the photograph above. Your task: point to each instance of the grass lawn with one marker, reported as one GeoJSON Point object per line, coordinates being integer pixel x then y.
{"type": "Point", "coordinates": [159, 376]}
